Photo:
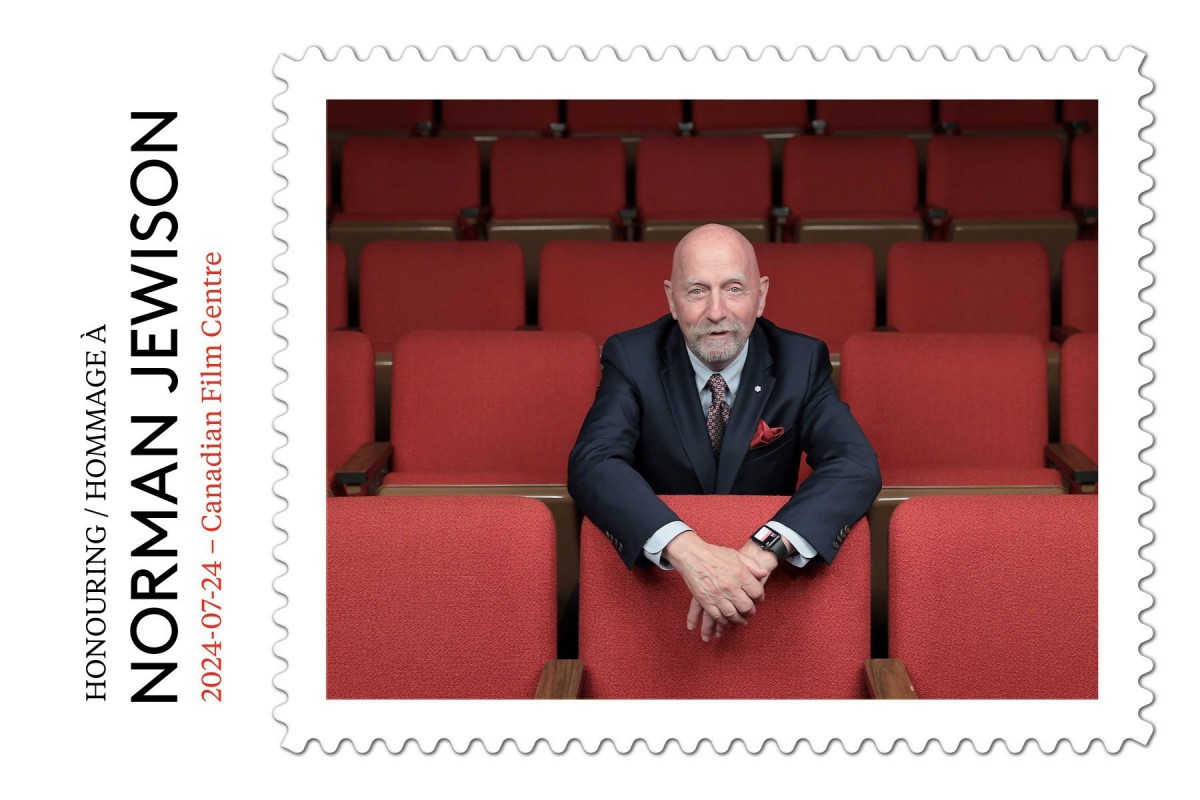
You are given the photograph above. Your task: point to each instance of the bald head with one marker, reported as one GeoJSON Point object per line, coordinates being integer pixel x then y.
{"type": "Point", "coordinates": [716, 292]}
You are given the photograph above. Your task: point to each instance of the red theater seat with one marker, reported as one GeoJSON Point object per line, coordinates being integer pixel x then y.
{"type": "Point", "coordinates": [777, 121]}
{"type": "Point", "coordinates": [971, 116]}
{"type": "Point", "coordinates": [493, 413]}
{"type": "Point", "coordinates": [416, 189]}
{"type": "Point", "coordinates": [824, 290]}
{"type": "Point", "coordinates": [1082, 115]}
{"type": "Point", "coordinates": [378, 116]}
{"type": "Point", "coordinates": [1001, 189]}
{"type": "Point", "coordinates": [876, 116]}
{"type": "Point", "coordinates": [350, 411]}
{"type": "Point", "coordinates": [1085, 179]}
{"type": "Point", "coordinates": [405, 619]}
{"type": "Point", "coordinates": [973, 287]}
{"type": "Point", "coordinates": [544, 189]}
{"type": "Point", "coordinates": [337, 298]}
{"type": "Point", "coordinates": [853, 190]}
{"type": "Point", "coordinates": [407, 286]}
{"type": "Point", "coordinates": [996, 596]}
{"type": "Point", "coordinates": [808, 639]}
{"type": "Point", "coordinates": [686, 182]}
{"type": "Point", "coordinates": [1080, 289]}
{"type": "Point", "coordinates": [1077, 454]}
{"type": "Point", "coordinates": [499, 116]}
{"type": "Point", "coordinates": [951, 409]}
{"type": "Point", "coordinates": [602, 288]}
{"type": "Point", "coordinates": [624, 117]}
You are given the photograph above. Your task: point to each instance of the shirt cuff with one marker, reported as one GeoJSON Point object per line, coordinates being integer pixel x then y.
{"type": "Point", "coordinates": [654, 547]}
{"type": "Point", "coordinates": [805, 552]}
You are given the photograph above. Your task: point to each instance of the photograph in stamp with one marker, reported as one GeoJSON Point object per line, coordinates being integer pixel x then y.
{"type": "Point", "coordinates": [597, 368]}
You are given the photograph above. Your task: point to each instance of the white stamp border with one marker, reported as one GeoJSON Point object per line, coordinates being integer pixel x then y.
{"type": "Point", "coordinates": [1113, 719]}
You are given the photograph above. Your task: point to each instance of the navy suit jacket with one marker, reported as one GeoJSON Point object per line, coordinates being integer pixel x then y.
{"type": "Point", "coordinates": [645, 435]}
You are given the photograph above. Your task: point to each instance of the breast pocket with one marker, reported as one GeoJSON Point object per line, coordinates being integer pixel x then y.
{"type": "Point", "coordinates": [783, 443]}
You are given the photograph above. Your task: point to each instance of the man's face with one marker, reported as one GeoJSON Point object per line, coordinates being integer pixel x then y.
{"type": "Point", "coordinates": [716, 294]}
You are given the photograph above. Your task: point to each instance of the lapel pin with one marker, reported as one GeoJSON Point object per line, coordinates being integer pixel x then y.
{"type": "Point", "coordinates": [758, 388]}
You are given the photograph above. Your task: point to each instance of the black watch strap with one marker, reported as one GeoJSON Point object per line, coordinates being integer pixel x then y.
{"type": "Point", "coordinates": [771, 540]}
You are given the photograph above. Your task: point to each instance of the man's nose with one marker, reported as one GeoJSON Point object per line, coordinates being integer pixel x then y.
{"type": "Point", "coordinates": [715, 310]}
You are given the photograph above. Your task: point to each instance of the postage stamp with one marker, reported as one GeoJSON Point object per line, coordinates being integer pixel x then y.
{"type": "Point", "coordinates": [359, 634]}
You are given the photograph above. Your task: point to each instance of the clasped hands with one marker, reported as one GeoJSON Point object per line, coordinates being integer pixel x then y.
{"type": "Point", "coordinates": [726, 584]}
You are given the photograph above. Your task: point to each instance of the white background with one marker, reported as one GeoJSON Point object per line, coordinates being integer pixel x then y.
{"type": "Point", "coordinates": [71, 76]}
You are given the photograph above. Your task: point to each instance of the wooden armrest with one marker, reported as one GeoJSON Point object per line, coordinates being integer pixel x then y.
{"type": "Point", "coordinates": [560, 680]}
{"type": "Point", "coordinates": [1085, 215]}
{"type": "Point", "coordinates": [886, 329]}
{"type": "Point", "coordinates": [1060, 333]}
{"type": "Point", "coordinates": [887, 679]}
{"type": "Point", "coordinates": [1074, 465]}
{"type": "Point", "coordinates": [364, 470]}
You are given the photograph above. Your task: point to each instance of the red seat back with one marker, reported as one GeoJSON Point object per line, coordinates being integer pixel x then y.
{"type": "Point", "coordinates": [747, 115]}
{"type": "Point", "coordinates": [948, 400]}
{"type": "Point", "coordinates": [969, 287]}
{"type": "Point", "coordinates": [557, 178]}
{"type": "Point", "coordinates": [377, 115]}
{"type": "Point", "coordinates": [971, 115]}
{"type": "Point", "coordinates": [830, 175]}
{"type": "Point", "coordinates": [716, 176]}
{"type": "Point", "coordinates": [486, 116]}
{"type": "Point", "coordinates": [478, 402]}
{"type": "Point", "coordinates": [1082, 111]}
{"type": "Point", "coordinates": [349, 396]}
{"type": "Point", "coordinates": [1002, 175]}
{"type": "Point", "coordinates": [407, 286]}
{"type": "Point", "coordinates": [624, 116]}
{"type": "Point", "coordinates": [403, 620]}
{"type": "Point", "coordinates": [602, 288]}
{"type": "Point", "coordinates": [995, 596]}
{"type": "Point", "coordinates": [807, 639]}
{"type": "Point", "coordinates": [1085, 170]}
{"type": "Point", "coordinates": [1080, 285]}
{"type": "Point", "coordinates": [823, 290]}
{"type": "Point", "coordinates": [1079, 423]}
{"type": "Point", "coordinates": [384, 175]}
{"type": "Point", "coordinates": [336, 289]}
{"type": "Point", "coordinates": [875, 115]}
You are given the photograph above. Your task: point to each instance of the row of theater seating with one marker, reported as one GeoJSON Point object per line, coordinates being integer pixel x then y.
{"type": "Point", "coordinates": [939, 409]}
{"type": "Point", "coordinates": [863, 190]}
{"type": "Point", "coordinates": [970, 584]}
{"type": "Point", "coordinates": [592, 117]}
{"type": "Point", "coordinates": [829, 291]}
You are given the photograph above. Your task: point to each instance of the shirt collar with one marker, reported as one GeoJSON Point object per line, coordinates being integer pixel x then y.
{"type": "Point", "coordinates": [732, 373]}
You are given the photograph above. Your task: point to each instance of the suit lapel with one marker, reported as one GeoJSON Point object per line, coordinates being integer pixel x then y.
{"type": "Point", "coordinates": [679, 384]}
{"type": "Point", "coordinates": [747, 410]}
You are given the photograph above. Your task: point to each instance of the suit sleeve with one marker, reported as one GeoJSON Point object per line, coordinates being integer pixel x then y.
{"type": "Point", "coordinates": [845, 478]}
{"type": "Point", "coordinates": [600, 474]}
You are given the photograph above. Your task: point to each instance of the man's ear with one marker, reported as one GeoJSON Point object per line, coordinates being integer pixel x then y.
{"type": "Point", "coordinates": [764, 283]}
{"type": "Point", "coordinates": [670, 299]}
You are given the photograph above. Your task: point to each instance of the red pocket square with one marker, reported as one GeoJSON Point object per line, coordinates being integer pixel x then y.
{"type": "Point", "coordinates": [764, 434]}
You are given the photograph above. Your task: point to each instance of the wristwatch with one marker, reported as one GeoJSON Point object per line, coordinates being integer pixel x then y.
{"type": "Point", "coordinates": [771, 540]}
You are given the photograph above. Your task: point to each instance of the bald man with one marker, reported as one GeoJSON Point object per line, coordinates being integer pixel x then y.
{"type": "Point", "coordinates": [715, 399]}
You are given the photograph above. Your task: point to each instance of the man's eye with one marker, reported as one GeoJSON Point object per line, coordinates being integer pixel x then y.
{"type": "Point", "coordinates": [735, 289]}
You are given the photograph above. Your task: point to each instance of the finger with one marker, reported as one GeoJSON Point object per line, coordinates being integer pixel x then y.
{"type": "Point", "coordinates": [730, 612]}
{"type": "Point", "coordinates": [694, 614]}
{"type": "Point", "coordinates": [754, 568]}
{"type": "Point", "coordinates": [754, 590]}
{"type": "Point", "coordinates": [745, 606]}
{"type": "Point", "coordinates": [708, 627]}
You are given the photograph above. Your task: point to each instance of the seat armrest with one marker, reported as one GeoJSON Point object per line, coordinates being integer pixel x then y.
{"type": "Point", "coordinates": [935, 217]}
{"type": "Point", "coordinates": [472, 219]}
{"type": "Point", "coordinates": [363, 472]}
{"type": "Point", "coordinates": [629, 218]}
{"type": "Point", "coordinates": [1060, 333]}
{"type": "Point", "coordinates": [560, 680]}
{"type": "Point", "coordinates": [886, 329]}
{"type": "Point", "coordinates": [1077, 468]}
{"type": "Point", "coordinates": [781, 215]}
{"type": "Point", "coordinates": [887, 679]}
{"type": "Point", "coordinates": [1086, 216]}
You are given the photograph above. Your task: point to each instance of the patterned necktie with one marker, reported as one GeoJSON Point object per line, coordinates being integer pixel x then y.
{"type": "Point", "coordinates": [718, 412]}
